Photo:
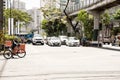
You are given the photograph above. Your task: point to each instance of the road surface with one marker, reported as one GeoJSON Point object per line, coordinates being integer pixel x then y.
{"type": "Point", "coordinates": [62, 63]}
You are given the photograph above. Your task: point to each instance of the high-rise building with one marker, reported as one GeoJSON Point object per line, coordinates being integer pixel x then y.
{"type": "Point", "coordinates": [35, 23]}
{"type": "Point", "coordinates": [17, 4]}
{"type": "Point", "coordinates": [63, 4]}
{"type": "Point", "coordinates": [50, 3]}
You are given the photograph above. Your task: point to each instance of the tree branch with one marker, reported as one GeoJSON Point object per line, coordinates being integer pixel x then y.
{"type": "Point", "coordinates": [69, 19]}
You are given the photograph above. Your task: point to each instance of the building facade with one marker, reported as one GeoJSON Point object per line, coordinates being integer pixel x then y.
{"type": "Point", "coordinates": [17, 4]}
{"type": "Point", "coordinates": [63, 4]}
{"type": "Point", "coordinates": [50, 3]}
{"type": "Point", "coordinates": [35, 23]}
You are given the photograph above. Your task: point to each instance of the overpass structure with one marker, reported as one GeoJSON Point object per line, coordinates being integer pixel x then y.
{"type": "Point", "coordinates": [92, 5]}
{"type": "Point", "coordinates": [95, 7]}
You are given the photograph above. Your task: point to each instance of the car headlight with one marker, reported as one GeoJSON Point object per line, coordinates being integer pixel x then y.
{"type": "Point", "coordinates": [33, 39]}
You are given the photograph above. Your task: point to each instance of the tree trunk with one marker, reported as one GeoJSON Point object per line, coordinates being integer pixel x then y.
{"type": "Point", "coordinates": [69, 19]}
{"type": "Point", "coordinates": [1, 14]}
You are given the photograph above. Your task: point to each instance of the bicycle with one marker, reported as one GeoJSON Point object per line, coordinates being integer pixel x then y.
{"type": "Point", "coordinates": [19, 51]}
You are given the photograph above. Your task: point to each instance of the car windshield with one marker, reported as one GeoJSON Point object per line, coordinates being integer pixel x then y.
{"type": "Point", "coordinates": [54, 38]}
{"type": "Point", "coordinates": [72, 38]}
{"type": "Point", "coordinates": [37, 35]}
{"type": "Point", "coordinates": [63, 37]}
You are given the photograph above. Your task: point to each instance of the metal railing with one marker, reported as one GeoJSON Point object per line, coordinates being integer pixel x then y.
{"type": "Point", "coordinates": [81, 5]}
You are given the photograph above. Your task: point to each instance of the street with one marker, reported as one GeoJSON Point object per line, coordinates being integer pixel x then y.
{"type": "Point", "coordinates": [62, 63]}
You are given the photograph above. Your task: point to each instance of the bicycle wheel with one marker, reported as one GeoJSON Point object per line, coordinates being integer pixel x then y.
{"type": "Point", "coordinates": [21, 53]}
{"type": "Point", "coordinates": [7, 54]}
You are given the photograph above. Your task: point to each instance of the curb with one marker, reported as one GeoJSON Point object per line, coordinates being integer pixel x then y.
{"type": "Point", "coordinates": [110, 48]}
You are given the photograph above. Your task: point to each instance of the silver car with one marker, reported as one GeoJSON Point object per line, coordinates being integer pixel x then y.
{"type": "Point", "coordinates": [54, 41]}
{"type": "Point", "coordinates": [72, 41]}
{"type": "Point", "coordinates": [63, 39]}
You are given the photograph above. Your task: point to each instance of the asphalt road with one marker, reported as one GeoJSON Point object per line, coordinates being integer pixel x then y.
{"type": "Point", "coordinates": [62, 63]}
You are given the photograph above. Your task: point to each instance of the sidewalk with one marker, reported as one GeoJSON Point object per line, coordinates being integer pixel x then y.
{"type": "Point", "coordinates": [110, 47]}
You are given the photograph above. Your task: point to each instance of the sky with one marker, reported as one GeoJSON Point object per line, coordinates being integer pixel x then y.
{"type": "Point", "coordinates": [31, 3]}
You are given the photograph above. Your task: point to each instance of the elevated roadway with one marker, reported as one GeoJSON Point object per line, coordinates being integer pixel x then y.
{"type": "Point", "coordinates": [92, 5]}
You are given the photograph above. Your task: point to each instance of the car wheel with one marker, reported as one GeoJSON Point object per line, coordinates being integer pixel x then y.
{"type": "Point", "coordinates": [42, 43]}
{"type": "Point", "coordinates": [69, 45]}
{"type": "Point", "coordinates": [103, 42]}
{"type": "Point", "coordinates": [33, 43]}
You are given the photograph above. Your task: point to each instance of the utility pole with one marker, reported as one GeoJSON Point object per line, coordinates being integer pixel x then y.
{"type": "Point", "coordinates": [10, 16]}
{"type": "Point", "coordinates": [2, 4]}
{"type": "Point", "coordinates": [1, 14]}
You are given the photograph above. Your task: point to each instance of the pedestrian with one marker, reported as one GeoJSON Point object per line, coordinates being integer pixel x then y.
{"type": "Point", "coordinates": [113, 39]}
{"type": "Point", "coordinates": [15, 43]}
{"type": "Point", "coordinates": [84, 41]}
{"type": "Point", "coordinates": [22, 39]}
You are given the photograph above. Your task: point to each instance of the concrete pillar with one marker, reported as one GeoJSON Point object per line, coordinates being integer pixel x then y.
{"type": "Point", "coordinates": [96, 25]}
{"type": "Point", "coordinates": [96, 20]}
{"type": "Point", "coordinates": [96, 15]}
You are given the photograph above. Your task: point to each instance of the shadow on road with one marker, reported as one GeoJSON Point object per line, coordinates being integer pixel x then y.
{"type": "Point", "coordinates": [107, 48]}
{"type": "Point", "coordinates": [2, 68]}
{"type": "Point", "coordinates": [111, 49]}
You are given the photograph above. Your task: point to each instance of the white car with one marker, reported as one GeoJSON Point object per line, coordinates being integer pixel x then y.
{"type": "Point", "coordinates": [54, 41]}
{"type": "Point", "coordinates": [37, 39]}
{"type": "Point", "coordinates": [106, 40]}
{"type": "Point", "coordinates": [72, 41]}
{"type": "Point", "coordinates": [63, 39]}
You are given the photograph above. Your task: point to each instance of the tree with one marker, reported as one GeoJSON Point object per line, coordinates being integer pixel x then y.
{"type": "Point", "coordinates": [116, 17]}
{"type": "Point", "coordinates": [69, 19]}
{"type": "Point", "coordinates": [117, 14]}
{"type": "Point", "coordinates": [52, 24]}
{"type": "Point", "coordinates": [105, 19]}
{"type": "Point", "coordinates": [47, 26]}
{"type": "Point", "coordinates": [86, 21]}
{"type": "Point", "coordinates": [54, 28]}
{"type": "Point", "coordinates": [18, 15]}
{"type": "Point", "coordinates": [50, 13]}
